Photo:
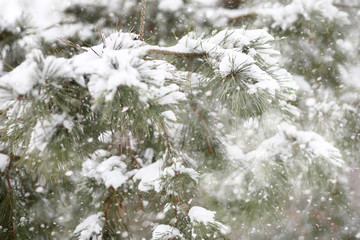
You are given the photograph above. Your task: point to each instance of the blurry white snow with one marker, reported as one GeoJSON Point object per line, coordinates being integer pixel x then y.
{"type": "Point", "coordinates": [27, 75]}
{"type": "Point", "coordinates": [39, 189]}
{"type": "Point", "coordinates": [111, 171]}
{"type": "Point", "coordinates": [105, 137]}
{"type": "Point", "coordinates": [69, 173]}
{"type": "Point", "coordinates": [205, 2]}
{"type": "Point", "coordinates": [286, 16]}
{"type": "Point", "coordinates": [169, 115]}
{"type": "Point", "coordinates": [149, 177]}
{"type": "Point", "coordinates": [281, 144]}
{"type": "Point", "coordinates": [303, 85]}
{"type": "Point", "coordinates": [200, 214]}
{"type": "Point", "coordinates": [44, 130]}
{"type": "Point", "coordinates": [4, 161]}
{"type": "Point", "coordinates": [170, 5]}
{"type": "Point", "coordinates": [41, 13]}
{"type": "Point", "coordinates": [178, 168]}
{"type": "Point", "coordinates": [350, 76]}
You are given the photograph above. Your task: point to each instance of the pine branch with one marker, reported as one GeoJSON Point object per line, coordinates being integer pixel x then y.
{"type": "Point", "coordinates": [140, 203]}
{"type": "Point", "coordinates": [108, 204]}
{"type": "Point", "coordinates": [65, 22]}
{"type": "Point", "coordinates": [119, 207]}
{"type": "Point", "coordinates": [177, 54]}
{"type": "Point", "coordinates": [342, 5]}
{"type": "Point", "coordinates": [242, 17]}
{"type": "Point", "coordinates": [72, 44]}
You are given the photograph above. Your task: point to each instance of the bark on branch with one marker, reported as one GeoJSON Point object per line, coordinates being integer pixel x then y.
{"type": "Point", "coordinates": [177, 54]}
{"type": "Point", "coordinates": [142, 20]}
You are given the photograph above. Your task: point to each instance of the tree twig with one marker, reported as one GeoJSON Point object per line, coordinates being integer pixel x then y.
{"type": "Point", "coordinates": [242, 17]}
{"type": "Point", "coordinates": [118, 205]}
{"type": "Point", "coordinates": [139, 203]}
{"type": "Point", "coordinates": [142, 20]}
{"type": "Point", "coordinates": [177, 54]}
{"type": "Point", "coordinates": [108, 204]}
{"type": "Point", "coordinates": [342, 5]}
{"type": "Point", "coordinates": [71, 44]}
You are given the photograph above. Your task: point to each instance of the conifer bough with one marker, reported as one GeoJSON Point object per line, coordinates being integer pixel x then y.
{"type": "Point", "coordinates": [128, 140]}
{"type": "Point", "coordinates": [118, 106]}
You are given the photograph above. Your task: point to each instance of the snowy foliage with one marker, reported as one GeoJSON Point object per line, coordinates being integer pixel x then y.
{"type": "Point", "coordinates": [90, 228]}
{"type": "Point", "coordinates": [189, 133]}
{"type": "Point", "coordinates": [286, 16]}
{"type": "Point", "coordinates": [164, 232]}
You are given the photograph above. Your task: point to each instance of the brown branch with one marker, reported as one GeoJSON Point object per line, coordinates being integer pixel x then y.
{"type": "Point", "coordinates": [139, 203]}
{"type": "Point", "coordinates": [191, 66]}
{"type": "Point", "coordinates": [232, 4]}
{"type": "Point", "coordinates": [178, 54]}
{"type": "Point", "coordinates": [59, 24]}
{"type": "Point", "coordinates": [108, 204]}
{"type": "Point", "coordinates": [120, 143]}
{"type": "Point", "coordinates": [134, 162]}
{"type": "Point", "coordinates": [342, 5]}
{"type": "Point", "coordinates": [120, 211]}
{"type": "Point", "coordinates": [127, 144]}
{"type": "Point", "coordinates": [142, 20]}
{"type": "Point", "coordinates": [95, 52]}
{"type": "Point", "coordinates": [242, 17]}
{"type": "Point", "coordinates": [72, 44]}
{"type": "Point", "coordinates": [138, 139]}
{"type": "Point", "coordinates": [208, 143]}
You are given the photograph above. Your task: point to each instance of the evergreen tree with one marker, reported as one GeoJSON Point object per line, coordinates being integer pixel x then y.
{"type": "Point", "coordinates": [145, 132]}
